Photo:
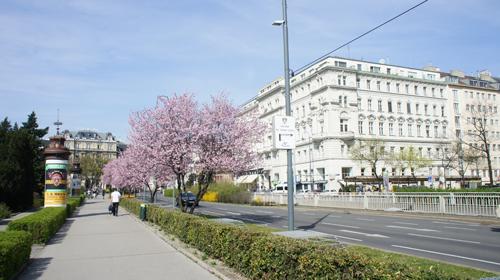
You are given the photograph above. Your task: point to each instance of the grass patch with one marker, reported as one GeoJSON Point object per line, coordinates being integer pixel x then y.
{"type": "Point", "coordinates": [261, 228]}
{"type": "Point", "coordinates": [421, 263]}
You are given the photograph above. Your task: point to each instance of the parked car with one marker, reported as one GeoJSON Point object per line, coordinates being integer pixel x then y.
{"type": "Point", "coordinates": [188, 198]}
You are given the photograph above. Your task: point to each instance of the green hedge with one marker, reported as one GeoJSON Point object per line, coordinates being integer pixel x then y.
{"type": "Point", "coordinates": [15, 250]}
{"type": "Point", "coordinates": [260, 255]}
{"type": "Point", "coordinates": [45, 223]}
{"type": "Point", "coordinates": [4, 211]}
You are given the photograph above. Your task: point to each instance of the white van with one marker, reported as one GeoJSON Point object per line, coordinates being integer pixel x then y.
{"type": "Point", "coordinates": [280, 188]}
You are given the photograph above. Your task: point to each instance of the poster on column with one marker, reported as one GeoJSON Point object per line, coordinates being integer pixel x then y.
{"type": "Point", "coordinates": [56, 175]}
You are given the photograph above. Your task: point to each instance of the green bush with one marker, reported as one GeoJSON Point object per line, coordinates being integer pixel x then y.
{"type": "Point", "coordinates": [15, 250]}
{"type": "Point", "coordinates": [42, 225]}
{"type": "Point", "coordinates": [261, 255]}
{"type": "Point", "coordinates": [229, 193]}
{"type": "Point", "coordinates": [4, 211]}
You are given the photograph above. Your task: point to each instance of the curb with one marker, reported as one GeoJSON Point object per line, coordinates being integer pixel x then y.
{"type": "Point", "coordinates": [181, 247]}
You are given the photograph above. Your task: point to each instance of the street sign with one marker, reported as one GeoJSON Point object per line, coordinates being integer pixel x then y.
{"type": "Point", "coordinates": [283, 132]}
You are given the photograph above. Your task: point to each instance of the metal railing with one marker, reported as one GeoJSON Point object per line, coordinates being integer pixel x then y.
{"type": "Point", "coordinates": [467, 204]}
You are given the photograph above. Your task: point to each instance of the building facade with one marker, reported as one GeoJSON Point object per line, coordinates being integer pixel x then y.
{"type": "Point", "coordinates": [87, 142]}
{"type": "Point", "coordinates": [338, 102]}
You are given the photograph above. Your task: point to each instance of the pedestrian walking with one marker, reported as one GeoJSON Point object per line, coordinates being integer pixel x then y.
{"type": "Point", "coordinates": [115, 199]}
{"type": "Point", "coordinates": [103, 192]}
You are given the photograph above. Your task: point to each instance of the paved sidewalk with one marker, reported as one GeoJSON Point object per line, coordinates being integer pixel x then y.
{"type": "Point", "coordinates": [96, 245]}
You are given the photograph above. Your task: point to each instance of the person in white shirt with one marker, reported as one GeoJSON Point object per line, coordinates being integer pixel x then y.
{"type": "Point", "coordinates": [115, 199]}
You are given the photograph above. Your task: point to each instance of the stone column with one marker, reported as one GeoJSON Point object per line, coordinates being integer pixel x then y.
{"type": "Point", "coordinates": [56, 172]}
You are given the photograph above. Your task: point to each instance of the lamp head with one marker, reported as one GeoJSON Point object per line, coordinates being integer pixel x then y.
{"type": "Point", "coordinates": [278, 22]}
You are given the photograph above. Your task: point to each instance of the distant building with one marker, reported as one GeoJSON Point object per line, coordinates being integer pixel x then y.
{"type": "Point", "coordinates": [87, 142]}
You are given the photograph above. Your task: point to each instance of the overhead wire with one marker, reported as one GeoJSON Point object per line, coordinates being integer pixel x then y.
{"type": "Point", "coordinates": [360, 36]}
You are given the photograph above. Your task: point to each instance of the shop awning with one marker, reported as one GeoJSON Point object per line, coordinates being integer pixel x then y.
{"type": "Point", "coordinates": [247, 179]}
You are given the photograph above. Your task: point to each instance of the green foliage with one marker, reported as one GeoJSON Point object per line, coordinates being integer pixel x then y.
{"type": "Point", "coordinates": [261, 255]}
{"type": "Point", "coordinates": [229, 193]}
{"type": "Point", "coordinates": [168, 192]}
{"type": "Point", "coordinates": [410, 159]}
{"type": "Point", "coordinates": [21, 164]}
{"type": "Point", "coordinates": [42, 224]}
{"type": "Point", "coordinates": [4, 211]}
{"type": "Point", "coordinates": [92, 168]}
{"type": "Point", "coordinates": [15, 250]}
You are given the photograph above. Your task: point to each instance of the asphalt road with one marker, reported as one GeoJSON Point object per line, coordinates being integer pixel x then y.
{"type": "Point", "coordinates": [469, 243]}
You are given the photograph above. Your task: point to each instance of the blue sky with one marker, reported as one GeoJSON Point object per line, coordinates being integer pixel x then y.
{"type": "Point", "coordinates": [99, 60]}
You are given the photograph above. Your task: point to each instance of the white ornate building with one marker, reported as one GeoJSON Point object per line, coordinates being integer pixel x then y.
{"type": "Point", "coordinates": [87, 142]}
{"type": "Point", "coordinates": [338, 101]}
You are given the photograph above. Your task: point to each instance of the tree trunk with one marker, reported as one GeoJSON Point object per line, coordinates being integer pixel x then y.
{"type": "Point", "coordinates": [179, 190]}
{"type": "Point", "coordinates": [490, 171]}
{"type": "Point", "coordinates": [206, 179]}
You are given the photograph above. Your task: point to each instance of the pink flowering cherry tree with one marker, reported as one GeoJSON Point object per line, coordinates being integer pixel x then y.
{"type": "Point", "coordinates": [226, 142]}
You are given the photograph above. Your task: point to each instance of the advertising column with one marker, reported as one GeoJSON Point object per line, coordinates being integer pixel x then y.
{"type": "Point", "coordinates": [56, 172]}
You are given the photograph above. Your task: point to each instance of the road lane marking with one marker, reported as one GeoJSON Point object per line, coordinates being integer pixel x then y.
{"type": "Point", "coordinates": [234, 213]}
{"type": "Point", "coordinates": [456, 224]}
{"type": "Point", "coordinates": [469, 229]}
{"type": "Point", "coordinates": [275, 216]}
{"type": "Point", "coordinates": [363, 219]}
{"type": "Point", "coordinates": [213, 213]}
{"type": "Point", "coordinates": [339, 225]}
{"type": "Point", "coordinates": [404, 223]}
{"type": "Point", "coordinates": [345, 237]}
{"type": "Point", "coordinates": [248, 212]}
{"type": "Point", "coordinates": [444, 238]}
{"type": "Point", "coordinates": [364, 233]}
{"type": "Point", "coordinates": [444, 254]}
{"type": "Point", "coordinates": [251, 220]}
{"type": "Point", "coordinates": [417, 229]}
{"type": "Point", "coordinates": [222, 209]}
{"type": "Point", "coordinates": [265, 212]}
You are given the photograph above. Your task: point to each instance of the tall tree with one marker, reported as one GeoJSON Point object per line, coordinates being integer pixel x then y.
{"type": "Point", "coordinates": [410, 159]}
{"type": "Point", "coordinates": [370, 152]}
{"type": "Point", "coordinates": [481, 135]}
{"type": "Point", "coordinates": [460, 158]}
{"type": "Point", "coordinates": [92, 169]}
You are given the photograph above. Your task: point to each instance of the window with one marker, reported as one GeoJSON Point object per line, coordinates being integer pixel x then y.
{"type": "Point", "coordinates": [397, 88]}
{"type": "Point", "coordinates": [388, 85]}
{"type": "Point", "coordinates": [392, 150]}
{"type": "Point", "coordinates": [407, 88]}
{"type": "Point", "coordinates": [378, 85]}
{"type": "Point", "coordinates": [455, 107]}
{"type": "Point", "coordinates": [400, 125]}
{"type": "Point", "coordinates": [457, 121]}
{"type": "Point", "coordinates": [381, 128]}
{"type": "Point", "coordinates": [419, 130]}
{"type": "Point", "coordinates": [428, 131]}
{"type": "Point", "coordinates": [359, 103]}
{"type": "Point", "coordinates": [369, 104]}
{"type": "Point", "coordinates": [370, 127]}
{"type": "Point", "coordinates": [360, 127]}
{"type": "Point", "coordinates": [358, 82]}
{"type": "Point", "coordinates": [425, 91]}
{"type": "Point", "coordinates": [426, 111]}
{"type": "Point", "coordinates": [429, 152]}
{"type": "Point", "coordinates": [408, 107]}
{"type": "Point", "coordinates": [417, 109]}
{"type": "Point", "coordinates": [342, 148]}
{"type": "Point", "coordinates": [431, 76]}
{"type": "Point", "coordinates": [374, 69]}
{"type": "Point", "coordinates": [442, 111]}
{"type": "Point", "coordinates": [340, 64]}
{"type": "Point", "coordinates": [389, 106]}
{"type": "Point", "coordinates": [455, 94]}
{"type": "Point", "coordinates": [344, 79]}
{"type": "Point", "coordinates": [410, 130]}
{"type": "Point", "coordinates": [359, 67]}
{"type": "Point", "coordinates": [399, 107]}
{"type": "Point", "coordinates": [467, 107]}
{"type": "Point", "coordinates": [362, 169]}
{"type": "Point", "coordinates": [391, 129]}
{"type": "Point", "coordinates": [388, 71]}
{"type": "Point", "coordinates": [441, 93]}
{"type": "Point", "coordinates": [436, 134]}
{"type": "Point", "coordinates": [343, 125]}
{"type": "Point", "coordinates": [339, 82]}
{"type": "Point", "coordinates": [434, 112]}
{"type": "Point", "coordinates": [433, 92]}
{"type": "Point", "coordinates": [412, 74]}
{"type": "Point", "coordinates": [415, 88]}
{"type": "Point", "coordinates": [345, 101]}
{"type": "Point", "coordinates": [368, 82]}
{"type": "Point", "coordinates": [380, 105]}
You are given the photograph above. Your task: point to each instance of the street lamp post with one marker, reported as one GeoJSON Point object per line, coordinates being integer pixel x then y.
{"type": "Point", "coordinates": [291, 186]}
